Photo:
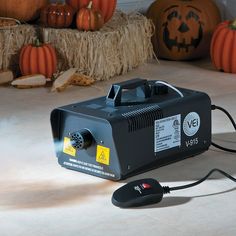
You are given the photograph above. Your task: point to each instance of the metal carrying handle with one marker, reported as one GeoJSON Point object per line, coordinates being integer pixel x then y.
{"type": "Point", "coordinates": [114, 96]}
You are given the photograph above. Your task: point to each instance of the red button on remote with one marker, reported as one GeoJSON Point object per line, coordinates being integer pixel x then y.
{"type": "Point", "coordinates": [146, 186]}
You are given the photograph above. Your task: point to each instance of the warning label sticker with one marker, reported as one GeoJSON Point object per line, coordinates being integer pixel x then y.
{"type": "Point", "coordinates": [67, 148]}
{"type": "Point", "coordinates": [103, 155]}
{"type": "Point", "coordinates": [167, 133]}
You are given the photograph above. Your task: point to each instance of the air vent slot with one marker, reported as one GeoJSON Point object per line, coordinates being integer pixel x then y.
{"type": "Point", "coordinates": [143, 117]}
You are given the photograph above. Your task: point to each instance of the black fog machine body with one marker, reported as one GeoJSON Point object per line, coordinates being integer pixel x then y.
{"type": "Point", "coordinates": [140, 125]}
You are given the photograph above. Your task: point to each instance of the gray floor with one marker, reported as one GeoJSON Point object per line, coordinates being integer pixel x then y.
{"type": "Point", "coordinates": [38, 197]}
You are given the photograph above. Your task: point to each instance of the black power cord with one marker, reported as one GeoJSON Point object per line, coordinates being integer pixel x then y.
{"type": "Point", "coordinates": [214, 107]}
{"type": "Point", "coordinates": [201, 180]}
{"type": "Point", "coordinates": [149, 191]}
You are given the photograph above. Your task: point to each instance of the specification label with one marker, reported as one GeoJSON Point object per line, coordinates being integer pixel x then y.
{"type": "Point", "coordinates": [167, 133]}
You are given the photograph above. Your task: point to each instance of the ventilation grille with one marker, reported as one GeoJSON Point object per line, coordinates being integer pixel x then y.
{"type": "Point", "coordinates": [143, 118]}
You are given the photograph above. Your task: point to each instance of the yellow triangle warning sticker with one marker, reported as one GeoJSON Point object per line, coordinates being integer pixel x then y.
{"type": "Point", "coordinates": [103, 155]}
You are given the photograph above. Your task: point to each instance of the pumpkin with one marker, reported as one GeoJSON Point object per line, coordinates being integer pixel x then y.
{"type": "Point", "coordinates": [107, 7]}
{"type": "Point", "coordinates": [22, 10]}
{"type": "Point", "coordinates": [89, 18]}
{"type": "Point", "coordinates": [38, 58]}
{"type": "Point", "coordinates": [57, 15]}
{"type": "Point", "coordinates": [223, 47]}
{"type": "Point", "coordinates": [183, 28]}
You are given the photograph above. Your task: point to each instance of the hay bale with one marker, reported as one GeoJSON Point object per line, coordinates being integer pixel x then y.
{"type": "Point", "coordinates": [11, 41]}
{"type": "Point", "coordinates": [122, 44]}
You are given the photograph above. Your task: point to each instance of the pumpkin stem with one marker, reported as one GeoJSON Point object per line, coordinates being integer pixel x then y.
{"type": "Point", "coordinates": [37, 43]}
{"type": "Point", "coordinates": [233, 24]}
{"type": "Point", "coordinates": [90, 5]}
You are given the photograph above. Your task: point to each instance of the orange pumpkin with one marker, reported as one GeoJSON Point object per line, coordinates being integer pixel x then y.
{"type": "Point", "coordinates": [89, 18]}
{"type": "Point", "coordinates": [38, 59]}
{"type": "Point", "coordinates": [183, 28]}
{"type": "Point", "coordinates": [57, 15]}
{"type": "Point", "coordinates": [107, 7]}
{"type": "Point", "coordinates": [22, 10]}
{"type": "Point", "coordinates": [223, 47]}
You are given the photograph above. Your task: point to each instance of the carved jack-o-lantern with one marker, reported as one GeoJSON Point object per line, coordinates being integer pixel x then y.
{"type": "Point", "coordinates": [183, 27]}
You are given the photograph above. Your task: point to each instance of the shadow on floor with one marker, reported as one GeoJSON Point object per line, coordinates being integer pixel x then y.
{"type": "Point", "coordinates": [48, 195]}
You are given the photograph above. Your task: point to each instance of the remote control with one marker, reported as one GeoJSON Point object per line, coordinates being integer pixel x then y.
{"type": "Point", "coordinates": [138, 193]}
